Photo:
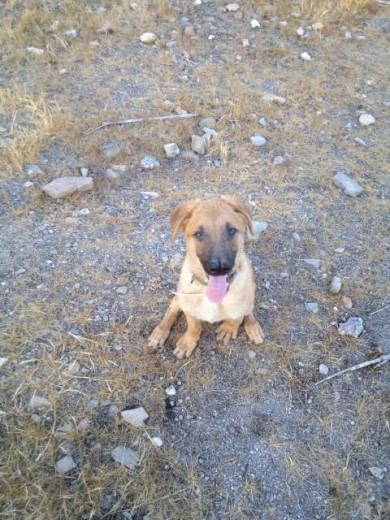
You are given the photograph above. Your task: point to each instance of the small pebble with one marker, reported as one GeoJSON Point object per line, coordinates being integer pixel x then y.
{"type": "Point", "coordinates": [255, 24]}
{"type": "Point", "coordinates": [347, 184]}
{"type": "Point", "coordinates": [122, 290]}
{"type": "Point", "coordinates": [72, 33]}
{"type": "Point", "coordinates": [37, 401]}
{"type": "Point", "coordinates": [335, 285]}
{"type": "Point", "coordinates": [312, 307]}
{"type": "Point", "coordinates": [245, 42]}
{"type": "Point", "coordinates": [157, 441]}
{"type": "Point", "coordinates": [232, 7]}
{"type": "Point", "coordinates": [352, 327]}
{"type": "Point", "coordinates": [171, 150]}
{"type": "Point", "coordinates": [3, 361]}
{"type": "Point", "coordinates": [366, 119]}
{"type": "Point", "coordinates": [279, 159]}
{"type": "Point", "coordinates": [84, 211]}
{"type": "Point", "coordinates": [323, 369]}
{"type": "Point", "coordinates": [33, 170]}
{"type": "Point", "coordinates": [313, 262]}
{"type": "Point", "coordinates": [148, 37]}
{"type": "Point", "coordinates": [35, 50]}
{"type": "Point", "coordinates": [65, 465]}
{"type": "Point", "coordinates": [149, 163]}
{"type": "Point", "coordinates": [136, 417]}
{"type": "Point", "coordinates": [347, 303]}
{"type": "Point", "coordinates": [306, 56]}
{"type": "Point", "coordinates": [377, 472]}
{"type": "Point", "coordinates": [125, 456]}
{"type": "Point", "coordinates": [171, 391]}
{"type": "Point", "coordinates": [258, 140]}
{"type": "Point", "coordinates": [198, 144]}
{"type": "Point", "coordinates": [263, 121]}
{"type": "Point", "coordinates": [273, 97]}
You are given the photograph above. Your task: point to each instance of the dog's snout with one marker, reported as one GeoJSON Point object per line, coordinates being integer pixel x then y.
{"type": "Point", "coordinates": [218, 265]}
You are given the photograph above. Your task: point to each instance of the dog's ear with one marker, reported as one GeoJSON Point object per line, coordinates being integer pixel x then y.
{"type": "Point", "coordinates": [241, 208]}
{"type": "Point", "coordinates": [181, 215]}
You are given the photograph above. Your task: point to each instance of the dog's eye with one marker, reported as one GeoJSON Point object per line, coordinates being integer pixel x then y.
{"type": "Point", "coordinates": [231, 231]}
{"type": "Point", "coordinates": [199, 234]}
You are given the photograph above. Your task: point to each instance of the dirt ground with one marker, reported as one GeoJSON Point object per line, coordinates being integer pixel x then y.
{"type": "Point", "coordinates": [85, 278]}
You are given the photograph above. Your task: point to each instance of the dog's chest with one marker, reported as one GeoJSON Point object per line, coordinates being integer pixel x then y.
{"type": "Point", "coordinates": [203, 309]}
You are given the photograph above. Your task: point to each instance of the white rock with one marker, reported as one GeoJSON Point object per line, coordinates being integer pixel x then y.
{"type": "Point", "coordinates": [150, 194]}
{"type": "Point", "coordinates": [339, 250]}
{"type": "Point", "coordinates": [246, 42]}
{"type": "Point", "coordinates": [323, 369]}
{"type": "Point", "coordinates": [37, 401]}
{"type": "Point", "coordinates": [171, 150]}
{"type": "Point", "coordinates": [148, 37]}
{"type": "Point", "coordinates": [348, 35]}
{"type": "Point", "coordinates": [312, 307]}
{"type": "Point", "coordinates": [377, 472]}
{"type": "Point", "coordinates": [258, 140]}
{"type": "Point", "coordinates": [84, 172]}
{"type": "Point", "coordinates": [125, 456]}
{"type": "Point", "coordinates": [273, 97]}
{"type": "Point", "coordinates": [33, 170]}
{"type": "Point", "coordinates": [305, 56]}
{"type": "Point", "coordinates": [65, 465]}
{"type": "Point", "coordinates": [255, 24]}
{"type": "Point", "coordinates": [157, 441]}
{"type": "Point", "coordinates": [149, 163]}
{"type": "Point", "coordinates": [283, 23]}
{"type": "Point", "coordinates": [84, 212]}
{"type": "Point", "coordinates": [279, 159]}
{"type": "Point", "coordinates": [28, 184]}
{"type": "Point", "coordinates": [366, 119]}
{"type": "Point", "coordinates": [171, 391]}
{"type": "Point", "coordinates": [136, 417]}
{"type": "Point", "coordinates": [72, 33]}
{"type": "Point", "coordinates": [352, 327]}
{"type": "Point", "coordinates": [35, 50]}
{"type": "Point", "coordinates": [263, 121]}
{"type": "Point", "coordinates": [232, 7]}
{"type": "Point", "coordinates": [300, 31]}
{"type": "Point", "coordinates": [198, 144]}
{"type": "Point", "coordinates": [3, 361]}
{"type": "Point", "coordinates": [335, 286]}
{"type": "Point", "coordinates": [113, 175]}
{"type": "Point", "coordinates": [258, 227]}
{"type": "Point", "coordinates": [122, 289]}
{"type": "Point", "coordinates": [347, 184]}
{"type": "Point", "coordinates": [74, 367]}
{"type": "Point", "coordinates": [64, 186]}
{"type": "Point", "coordinates": [197, 2]}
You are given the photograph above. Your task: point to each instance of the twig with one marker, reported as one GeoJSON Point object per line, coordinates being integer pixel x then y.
{"type": "Point", "coordinates": [380, 310]}
{"type": "Point", "coordinates": [141, 120]}
{"type": "Point", "coordinates": [381, 359]}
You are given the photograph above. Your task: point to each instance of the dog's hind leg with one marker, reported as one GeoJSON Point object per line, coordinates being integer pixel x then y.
{"type": "Point", "coordinates": [253, 329]}
{"type": "Point", "coordinates": [161, 332]}
{"type": "Point", "coordinates": [189, 340]}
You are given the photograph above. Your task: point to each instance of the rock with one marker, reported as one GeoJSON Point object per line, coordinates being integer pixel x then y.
{"type": "Point", "coordinates": [366, 119]}
{"type": "Point", "coordinates": [189, 156]}
{"type": "Point", "coordinates": [339, 250]}
{"type": "Point", "coordinates": [111, 149]}
{"type": "Point", "coordinates": [232, 7]}
{"type": "Point", "coordinates": [148, 37]}
{"type": "Point", "coordinates": [245, 42]}
{"type": "Point", "coordinates": [84, 425]}
{"type": "Point", "coordinates": [312, 307]}
{"type": "Point", "coordinates": [171, 391]}
{"type": "Point", "coordinates": [258, 140]}
{"type": "Point", "coordinates": [65, 432]}
{"type": "Point", "coordinates": [35, 50]}
{"type": "Point", "coordinates": [283, 23]}
{"type": "Point", "coordinates": [149, 163]}
{"type": "Point", "coordinates": [122, 290]}
{"type": "Point", "coordinates": [300, 31]}
{"type": "Point", "coordinates": [198, 144]}
{"type": "Point", "coordinates": [313, 262]}
{"type": "Point", "coordinates": [37, 401]}
{"type": "Point", "coordinates": [3, 361]}
{"type": "Point", "coordinates": [65, 465]}
{"type": "Point", "coordinates": [305, 56]}
{"type": "Point", "coordinates": [176, 260]}
{"type": "Point", "coordinates": [33, 170]}
{"type": "Point", "coordinates": [171, 150]}
{"type": "Point", "coordinates": [279, 159]}
{"type": "Point", "coordinates": [20, 271]}
{"type": "Point", "coordinates": [150, 194]}
{"type": "Point", "coordinates": [136, 417]}
{"type": "Point", "coordinates": [93, 403]}
{"type": "Point", "coordinates": [84, 212]}
{"type": "Point", "coordinates": [113, 175]}
{"type": "Point", "coordinates": [352, 327]}
{"type": "Point", "coordinates": [197, 2]}
{"type": "Point", "coordinates": [67, 186]}
{"type": "Point", "coordinates": [263, 121]}
{"type": "Point", "coordinates": [347, 303]}
{"type": "Point", "coordinates": [210, 122]}
{"type": "Point", "coordinates": [347, 184]}
{"type": "Point", "coordinates": [335, 286]}
{"type": "Point", "coordinates": [377, 472]}
{"type": "Point", "coordinates": [157, 441]}
{"type": "Point", "coordinates": [360, 141]}
{"type": "Point", "coordinates": [125, 456]}
{"type": "Point", "coordinates": [28, 184]}
{"type": "Point", "coordinates": [258, 227]}
{"type": "Point", "coordinates": [297, 237]}
{"type": "Point", "coordinates": [72, 33]}
{"type": "Point", "coordinates": [74, 368]}
{"type": "Point", "coordinates": [251, 354]}
{"type": "Point", "coordinates": [262, 371]}
{"type": "Point", "coordinates": [84, 172]}
{"type": "Point", "coordinates": [323, 369]}
{"type": "Point", "coordinates": [255, 24]}
{"type": "Point", "coordinates": [274, 98]}
{"type": "Point", "coordinates": [189, 31]}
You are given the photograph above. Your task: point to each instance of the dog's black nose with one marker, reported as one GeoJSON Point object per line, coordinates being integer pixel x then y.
{"type": "Point", "coordinates": [218, 266]}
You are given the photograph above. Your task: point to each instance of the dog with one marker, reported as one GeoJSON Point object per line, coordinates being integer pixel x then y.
{"type": "Point", "coordinates": [217, 282]}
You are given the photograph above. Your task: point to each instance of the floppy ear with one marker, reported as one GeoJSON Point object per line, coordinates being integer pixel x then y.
{"type": "Point", "coordinates": [241, 208]}
{"type": "Point", "coordinates": [181, 215]}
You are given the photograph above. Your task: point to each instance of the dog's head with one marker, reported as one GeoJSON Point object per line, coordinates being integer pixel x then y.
{"type": "Point", "coordinates": [214, 230]}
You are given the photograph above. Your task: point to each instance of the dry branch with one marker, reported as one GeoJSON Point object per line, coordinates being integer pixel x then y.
{"type": "Point", "coordinates": [381, 359]}
{"type": "Point", "coordinates": [170, 117]}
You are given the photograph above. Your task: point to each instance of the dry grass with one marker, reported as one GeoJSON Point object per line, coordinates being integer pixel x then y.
{"type": "Point", "coordinates": [331, 10]}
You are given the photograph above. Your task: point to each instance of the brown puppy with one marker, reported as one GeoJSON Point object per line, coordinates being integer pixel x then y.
{"type": "Point", "coordinates": [216, 281]}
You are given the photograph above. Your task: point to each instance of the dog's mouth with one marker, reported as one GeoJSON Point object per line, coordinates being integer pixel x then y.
{"type": "Point", "coordinates": [217, 287]}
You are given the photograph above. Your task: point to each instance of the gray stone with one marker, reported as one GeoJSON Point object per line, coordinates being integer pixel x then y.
{"type": "Point", "coordinates": [347, 184]}
{"type": "Point", "coordinates": [377, 472]}
{"type": "Point", "coordinates": [67, 186]}
{"type": "Point", "coordinates": [323, 369]}
{"type": "Point", "coordinates": [84, 425]}
{"type": "Point", "coordinates": [28, 184]}
{"type": "Point", "coordinates": [122, 290]}
{"type": "Point", "coordinates": [84, 212]}
{"type": "Point", "coordinates": [171, 391]}
{"type": "Point", "coordinates": [335, 286]}
{"type": "Point", "coordinates": [149, 163]}
{"type": "Point", "coordinates": [210, 122]}
{"type": "Point", "coordinates": [232, 7]}
{"type": "Point", "coordinates": [360, 141]}
{"type": "Point", "coordinates": [312, 307]}
{"type": "Point", "coordinates": [37, 401]}
{"type": "Point", "coordinates": [136, 417]}
{"type": "Point", "coordinates": [35, 50]}
{"type": "Point", "coordinates": [65, 465]}
{"type": "Point", "coordinates": [297, 237]}
{"type": "Point", "coordinates": [258, 140]}
{"type": "Point", "coordinates": [125, 456]}
{"type": "Point", "coordinates": [198, 144]}
{"type": "Point", "coordinates": [347, 302]}
{"type": "Point", "coordinates": [171, 150]}
{"type": "Point", "coordinates": [258, 227]}
{"type": "Point", "coordinates": [33, 170]}
{"type": "Point", "coordinates": [113, 175]}
{"type": "Point", "coordinates": [157, 441]}
{"type": "Point", "coordinates": [313, 262]}
{"type": "Point", "coordinates": [111, 149]}
{"type": "Point", "coordinates": [274, 98]}
{"type": "Point", "coordinates": [148, 37]}
{"type": "Point", "coordinates": [352, 327]}
{"type": "Point", "coordinates": [72, 33]}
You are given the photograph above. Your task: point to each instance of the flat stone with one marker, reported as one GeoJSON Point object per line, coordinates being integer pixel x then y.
{"type": "Point", "coordinates": [171, 150]}
{"type": "Point", "coordinates": [72, 33]}
{"type": "Point", "coordinates": [113, 175]}
{"type": "Point", "coordinates": [67, 186]}
{"type": "Point", "coordinates": [136, 417]}
{"type": "Point", "coordinates": [198, 145]}
{"type": "Point", "coordinates": [210, 122]}
{"type": "Point", "coordinates": [122, 290]}
{"type": "Point", "coordinates": [312, 307]}
{"type": "Point", "coordinates": [352, 327]}
{"type": "Point", "coordinates": [37, 401]}
{"type": "Point", "coordinates": [335, 285]}
{"type": "Point", "coordinates": [323, 369]}
{"type": "Point", "coordinates": [347, 303]}
{"type": "Point", "coordinates": [274, 98]}
{"type": "Point", "coordinates": [125, 456]}
{"type": "Point", "coordinates": [347, 184]}
{"type": "Point", "coordinates": [65, 465]}
{"type": "Point", "coordinates": [366, 119]}
{"type": "Point", "coordinates": [258, 227]}
{"type": "Point", "coordinates": [232, 7]}
{"type": "Point", "coordinates": [33, 170]}
{"type": "Point", "coordinates": [149, 163]}
{"type": "Point", "coordinates": [377, 472]}
{"type": "Point", "coordinates": [84, 425]}
{"type": "Point", "coordinates": [313, 262]}
{"type": "Point", "coordinates": [258, 140]}
{"type": "Point", "coordinates": [279, 159]}
{"type": "Point", "coordinates": [148, 37]}
{"type": "Point", "coordinates": [171, 390]}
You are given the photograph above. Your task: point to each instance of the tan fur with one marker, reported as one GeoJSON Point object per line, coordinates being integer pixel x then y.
{"type": "Point", "coordinates": [236, 307]}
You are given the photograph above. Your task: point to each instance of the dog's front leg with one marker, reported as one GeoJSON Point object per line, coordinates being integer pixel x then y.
{"type": "Point", "coordinates": [228, 329]}
{"type": "Point", "coordinates": [189, 340]}
{"type": "Point", "coordinates": [253, 329]}
{"type": "Point", "coordinates": [161, 332]}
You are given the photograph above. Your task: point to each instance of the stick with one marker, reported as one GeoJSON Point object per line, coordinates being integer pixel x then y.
{"type": "Point", "coordinates": [142, 119]}
{"type": "Point", "coordinates": [381, 359]}
{"type": "Point", "coordinates": [380, 310]}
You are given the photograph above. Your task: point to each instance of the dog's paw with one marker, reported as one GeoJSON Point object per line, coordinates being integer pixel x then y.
{"type": "Point", "coordinates": [227, 330]}
{"type": "Point", "coordinates": [185, 346]}
{"type": "Point", "coordinates": [254, 331]}
{"type": "Point", "coordinates": [158, 337]}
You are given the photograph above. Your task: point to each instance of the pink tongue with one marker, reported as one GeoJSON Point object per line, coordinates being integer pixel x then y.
{"type": "Point", "coordinates": [217, 288]}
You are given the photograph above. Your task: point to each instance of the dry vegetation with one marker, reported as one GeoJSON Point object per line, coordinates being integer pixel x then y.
{"type": "Point", "coordinates": [308, 453]}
